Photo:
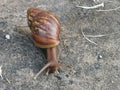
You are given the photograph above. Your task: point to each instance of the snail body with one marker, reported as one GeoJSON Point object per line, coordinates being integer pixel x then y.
{"type": "Point", "coordinates": [45, 29]}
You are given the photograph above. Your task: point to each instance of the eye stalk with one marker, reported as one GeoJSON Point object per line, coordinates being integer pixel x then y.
{"type": "Point", "coordinates": [45, 28]}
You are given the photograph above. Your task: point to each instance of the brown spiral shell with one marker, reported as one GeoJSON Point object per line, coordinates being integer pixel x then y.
{"type": "Point", "coordinates": [44, 26]}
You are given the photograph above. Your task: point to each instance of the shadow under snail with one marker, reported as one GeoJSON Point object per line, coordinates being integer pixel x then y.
{"type": "Point", "coordinates": [45, 29]}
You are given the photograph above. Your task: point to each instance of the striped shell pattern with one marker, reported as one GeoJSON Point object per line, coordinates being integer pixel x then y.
{"type": "Point", "coordinates": [44, 26]}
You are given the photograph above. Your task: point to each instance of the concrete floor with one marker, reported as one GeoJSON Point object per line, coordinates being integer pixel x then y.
{"type": "Point", "coordinates": [97, 65]}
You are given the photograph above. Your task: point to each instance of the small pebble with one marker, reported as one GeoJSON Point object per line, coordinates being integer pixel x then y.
{"type": "Point", "coordinates": [100, 56]}
{"type": "Point", "coordinates": [7, 36]}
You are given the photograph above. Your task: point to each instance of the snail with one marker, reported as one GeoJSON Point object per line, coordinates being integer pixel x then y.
{"type": "Point", "coordinates": [45, 30]}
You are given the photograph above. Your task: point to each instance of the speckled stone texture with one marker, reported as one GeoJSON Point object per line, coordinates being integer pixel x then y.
{"type": "Point", "coordinates": [97, 66]}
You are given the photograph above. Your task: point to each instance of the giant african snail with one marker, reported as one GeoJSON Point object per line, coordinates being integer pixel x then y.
{"type": "Point", "coordinates": [45, 28]}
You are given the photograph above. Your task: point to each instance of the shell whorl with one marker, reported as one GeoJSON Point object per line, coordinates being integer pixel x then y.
{"type": "Point", "coordinates": [45, 27]}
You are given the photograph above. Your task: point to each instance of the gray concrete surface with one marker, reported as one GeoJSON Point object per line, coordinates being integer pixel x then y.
{"type": "Point", "coordinates": [97, 66]}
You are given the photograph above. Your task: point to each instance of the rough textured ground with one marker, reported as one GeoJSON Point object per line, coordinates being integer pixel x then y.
{"type": "Point", "coordinates": [21, 59]}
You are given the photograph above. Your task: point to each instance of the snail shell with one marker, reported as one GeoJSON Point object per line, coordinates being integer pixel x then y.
{"type": "Point", "coordinates": [45, 27]}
